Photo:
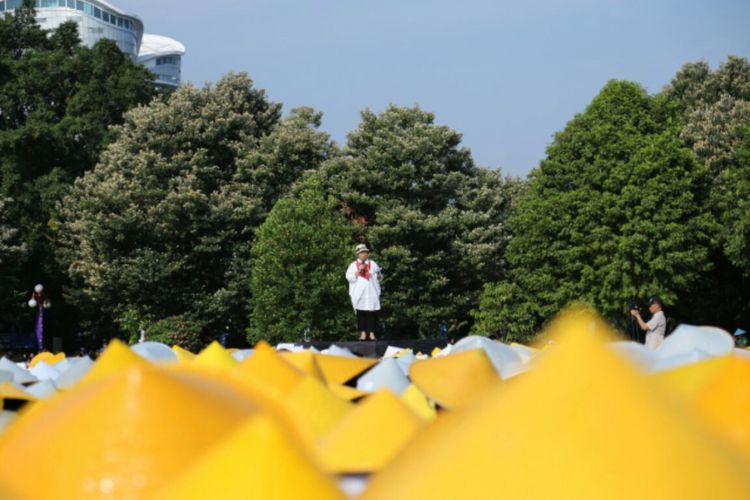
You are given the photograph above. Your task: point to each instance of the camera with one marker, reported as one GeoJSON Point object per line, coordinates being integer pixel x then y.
{"type": "Point", "coordinates": [633, 305]}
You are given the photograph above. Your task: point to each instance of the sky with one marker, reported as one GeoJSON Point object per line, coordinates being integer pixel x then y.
{"type": "Point", "coordinates": [507, 75]}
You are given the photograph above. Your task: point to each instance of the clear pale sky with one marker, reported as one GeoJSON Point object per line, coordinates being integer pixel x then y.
{"type": "Point", "coordinates": [507, 75]}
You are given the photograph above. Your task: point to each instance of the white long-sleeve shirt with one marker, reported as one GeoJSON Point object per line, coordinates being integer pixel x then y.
{"type": "Point", "coordinates": [365, 294]}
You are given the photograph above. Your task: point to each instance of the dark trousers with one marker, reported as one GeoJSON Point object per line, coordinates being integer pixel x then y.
{"type": "Point", "coordinates": [366, 320]}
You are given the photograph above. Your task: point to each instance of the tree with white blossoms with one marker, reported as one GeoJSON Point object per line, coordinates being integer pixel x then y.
{"type": "Point", "coordinates": [715, 109]}
{"type": "Point", "coordinates": [11, 252]}
{"type": "Point", "coordinates": [436, 222]}
{"type": "Point", "coordinates": [163, 225]}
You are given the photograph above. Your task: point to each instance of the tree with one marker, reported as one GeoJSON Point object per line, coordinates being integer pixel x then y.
{"type": "Point", "coordinates": [161, 222]}
{"type": "Point", "coordinates": [165, 222]}
{"type": "Point", "coordinates": [297, 280]}
{"type": "Point", "coordinates": [615, 212]}
{"type": "Point", "coordinates": [436, 222]}
{"type": "Point", "coordinates": [11, 252]}
{"type": "Point", "coordinates": [715, 108]}
{"type": "Point", "coordinates": [57, 101]}
{"type": "Point", "coordinates": [733, 192]}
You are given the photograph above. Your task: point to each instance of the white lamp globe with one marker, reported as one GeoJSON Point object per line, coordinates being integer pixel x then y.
{"type": "Point", "coordinates": [32, 303]}
{"type": "Point", "coordinates": [38, 288]}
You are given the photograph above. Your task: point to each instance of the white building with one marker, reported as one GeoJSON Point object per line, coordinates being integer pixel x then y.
{"type": "Point", "coordinates": [163, 57]}
{"type": "Point", "coordinates": [98, 19]}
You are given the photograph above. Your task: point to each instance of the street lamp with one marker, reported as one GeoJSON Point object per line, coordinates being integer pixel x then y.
{"type": "Point", "coordinates": [40, 302]}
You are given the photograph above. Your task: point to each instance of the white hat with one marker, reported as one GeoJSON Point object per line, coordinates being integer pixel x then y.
{"type": "Point", "coordinates": [361, 248]}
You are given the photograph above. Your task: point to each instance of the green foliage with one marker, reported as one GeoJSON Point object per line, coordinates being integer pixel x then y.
{"type": "Point", "coordinates": [131, 324]}
{"type": "Point", "coordinates": [177, 330]}
{"type": "Point", "coordinates": [505, 314]}
{"type": "Point", "coordinates": [57, 101]}
{"type": "Point", "coordinates": [300, 258]}
{"type": "Point", "coordinates": [166, 220]}
{"type": "Point", "coordinates": [614, 213]}
{"type": "Point", "coordinates": [437, 223]}
{"type": "Point", "coordinates": [715, 109]}
{"type": "Point", "coordinates": [732, 193]}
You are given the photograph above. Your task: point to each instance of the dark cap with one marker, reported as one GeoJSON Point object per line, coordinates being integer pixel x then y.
{"type": "Point", "coordinates": [655, 299]}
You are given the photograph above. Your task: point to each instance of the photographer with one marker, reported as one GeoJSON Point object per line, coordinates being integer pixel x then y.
{"type": "Point", "coordinates": [656, 326]}
{"type": "Point", "coordinates": [364, 277]}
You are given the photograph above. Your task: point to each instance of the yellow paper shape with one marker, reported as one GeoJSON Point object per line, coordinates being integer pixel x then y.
{"type": "Point", "coordinates": [183, 355]}
{"type": "Point", "coordinates": [346, 392]}
{"type": "Point", "coordinates": [436, 351]}
{"type": "Point", "coordinates": [47, 357]}
{"type": "Point", "coordinates": [267, 370]}
{"type": "Point", "coordinates": [123, 436]}
{"type": "Point", "coordinates": [8, 390]}
{"type": "Point", "coordinates": [304, 361]}
{"type": "Point", "coordinates": [690, 379]}
{"type": "Point", "coordinates": [418, 403]}
{"type": "Point", "coordinates": [259, 460]}
{"type": "Point", "coordinates": [583, 424]}
{"type": "Point", "coordinates": [370, 435]}
{"type": "Point", "coordinates": [341, 369]}
{"type": "Point", "coordinates": [316, 406]}
{"type": "Point", "coordinates": [725, 402]}
{"type": "Point", "coordinates": [455, 380]}
{"type": "Point", "coordinates": [115, 358]}
{"type": "Point", "coordinates": [214, 357]}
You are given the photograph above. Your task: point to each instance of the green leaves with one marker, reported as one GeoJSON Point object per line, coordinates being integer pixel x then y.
{"type": "Point", "coordinates": [615, 212]}
{"type": "Point", "coordinates": [436, 221]}
{"type": "Point", "coordinates": [300, 258]}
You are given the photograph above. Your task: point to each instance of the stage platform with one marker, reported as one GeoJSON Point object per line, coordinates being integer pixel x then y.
{"type": "Point", "coordinates": [376, 348]}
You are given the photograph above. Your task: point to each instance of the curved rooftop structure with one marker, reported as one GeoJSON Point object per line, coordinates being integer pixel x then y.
{"type": "Point", "coordinates": [163, 56]}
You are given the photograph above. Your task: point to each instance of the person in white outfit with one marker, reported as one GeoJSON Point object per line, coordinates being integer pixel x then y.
{"type": "Point", "coordinates": [656, 326]}
{"type": "Point", "coordinates": [364, 276]}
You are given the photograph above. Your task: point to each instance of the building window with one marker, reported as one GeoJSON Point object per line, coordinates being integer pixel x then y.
{"type": "Point", "coordinates": [113, 19]}
{"type": "Point", "coordinates": [79, 5]}
{"type": "Point", "coordinates": [2, 6]}
{"type": "Point", "coordinates": [71, 4]}
{"type": "Point", "coordinates": [97, 13]}
{"type": "Point", "coordinates": [88, 9]}
{"type": "Point", "coordinates": [119, 22]}
{"type": "Point", "coordinates": [167, 60]}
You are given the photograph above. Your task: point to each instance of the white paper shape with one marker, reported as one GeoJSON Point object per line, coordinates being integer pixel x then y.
{"type": "Point", "coordinates": [386, 373]}
{"type": "Point", "coordinates": [156, 352]}
{"type": "Point", "coordinates": [505, 360]}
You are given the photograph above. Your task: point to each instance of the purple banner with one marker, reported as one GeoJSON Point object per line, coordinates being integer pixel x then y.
{"type": "Point", "coordinates": [39, 327]}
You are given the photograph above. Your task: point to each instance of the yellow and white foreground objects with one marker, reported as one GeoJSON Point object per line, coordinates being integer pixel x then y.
{"type": "Point", "coordinates": [719, 389]}
{"type": "Point", "coordinates": [455, 380]}
{"type": "Point", "coordinates": [315, 407]}
{"type": "Point", "coordinates": [725, 402]}
{"type": "Point", "coordinates": [47, 357]}
{"type": "Point", "coordinates": [154, 352]}
{"type": "Point", "coordinates": [418, 402]}
{"type": "Point", "coordinates": [341, 369]}
{"type": "Point", "coordinates": [213, 358]}
{"type": "Point", "coordinates": [266, 370]}
{"type": "Point", "coordinates": [183, 355]}
{"type": "Point", "coordinates": [126, 436]}
{"type": "Point", "coordinates": [304, 361]}
{"type": "Point", "coordinates": [12, 398]}
{"type": "Point", "coordinates": [583, 424]}
{"type": "Point", "coordinates": [259, 460]}
{"type": "Point", "coordinates": [115, 358]}
{"type": "Point", "coordinates": [370, 435]}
